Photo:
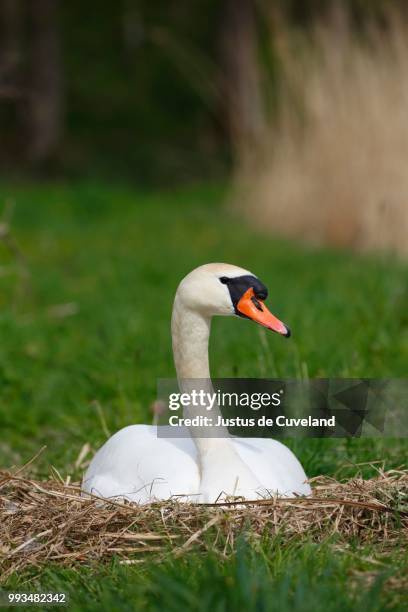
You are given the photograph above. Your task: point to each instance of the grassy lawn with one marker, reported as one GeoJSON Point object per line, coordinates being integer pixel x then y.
{"type": "Point", "coordinates": [84, 328]}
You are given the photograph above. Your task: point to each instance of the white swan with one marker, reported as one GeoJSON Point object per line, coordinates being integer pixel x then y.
{"type": "Point", "coordinates": [137, 465]}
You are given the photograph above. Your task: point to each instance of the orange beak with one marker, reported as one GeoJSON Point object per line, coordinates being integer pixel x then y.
{"type": "Point", "coordinates": [256, 310]}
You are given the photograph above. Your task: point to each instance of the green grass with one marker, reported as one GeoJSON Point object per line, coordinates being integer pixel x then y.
{"type": "Point", "coordinates": [277, 579]}
{"type": "Point", "coordinates": [118, 256]}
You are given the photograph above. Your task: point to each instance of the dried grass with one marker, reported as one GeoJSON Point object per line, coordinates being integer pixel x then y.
{"type": "Point", "coordinates": [333, 168]}
{"type": "Point", "coordinates": [48, 522]}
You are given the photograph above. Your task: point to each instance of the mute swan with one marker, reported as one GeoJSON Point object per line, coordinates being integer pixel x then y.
{"type": "Point", "coordinates": [137, 465]}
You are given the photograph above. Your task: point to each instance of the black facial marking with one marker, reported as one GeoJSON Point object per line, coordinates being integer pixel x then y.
{"type": "Point", "coordinates": [240, 284]}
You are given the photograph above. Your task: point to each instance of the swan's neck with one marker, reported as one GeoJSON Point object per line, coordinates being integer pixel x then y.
{"type": "Point", "coordinates": [191, 334]}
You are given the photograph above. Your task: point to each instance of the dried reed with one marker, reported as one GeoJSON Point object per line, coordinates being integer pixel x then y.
{"type": "Point", "coordinates": [48, 522]}
{"type": "Point", "coordinates": [332, 169]}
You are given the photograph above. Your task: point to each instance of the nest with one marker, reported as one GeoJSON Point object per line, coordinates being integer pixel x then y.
{"type": "Point", "coordinates": [44, 522]}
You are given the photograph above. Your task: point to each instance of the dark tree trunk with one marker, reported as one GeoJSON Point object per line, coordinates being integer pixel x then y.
{"type": "Point", "coordinates": [44, 105]}
{"type": "Point", "coordinates": [10, 48]}
{"type": "Point", "coordinates": [240, 75]}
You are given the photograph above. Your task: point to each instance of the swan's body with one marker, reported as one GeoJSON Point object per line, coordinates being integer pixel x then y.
{"type": "Point", "coordinates": [160, 468]}
{"type": "Point", "coordinates": [138, 465]}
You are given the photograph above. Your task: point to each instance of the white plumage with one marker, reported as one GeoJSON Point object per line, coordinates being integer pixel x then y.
{"type": "Point", "coordinates": [138, 465]}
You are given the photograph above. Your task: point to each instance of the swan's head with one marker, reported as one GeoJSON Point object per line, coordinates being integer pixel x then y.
{"type": "Point", "coordinates": [223, 289]}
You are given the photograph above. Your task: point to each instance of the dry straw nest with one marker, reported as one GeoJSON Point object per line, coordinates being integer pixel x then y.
{"type": "Point", "coordinates": [49, 522]}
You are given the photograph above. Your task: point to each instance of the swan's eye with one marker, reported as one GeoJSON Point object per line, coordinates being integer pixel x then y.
{"type": "Point", "coordinates": [261, 293]}
{"type": "Point", "coordinates": [239, 284]}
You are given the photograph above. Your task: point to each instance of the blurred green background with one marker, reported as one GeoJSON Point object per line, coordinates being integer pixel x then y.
{"type": "Point", "coordinates": [86, 305]}
{"type": "Point", "coordinates": [154, 92]}
{"type": "Point", "coordinates": [132, 136]}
